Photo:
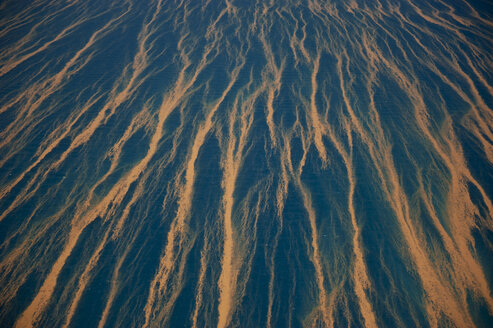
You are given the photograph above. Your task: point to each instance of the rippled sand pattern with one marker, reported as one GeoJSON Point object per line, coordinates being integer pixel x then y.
{"type": "Point", "coordinates": [246, 163]}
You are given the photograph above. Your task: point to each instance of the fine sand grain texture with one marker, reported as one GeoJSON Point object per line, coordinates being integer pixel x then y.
{"type": "Point", "coordinates": [227, 163]}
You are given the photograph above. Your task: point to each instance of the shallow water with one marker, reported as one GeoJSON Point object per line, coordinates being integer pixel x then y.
{"type": "Point", "coordinates": [246, 163]}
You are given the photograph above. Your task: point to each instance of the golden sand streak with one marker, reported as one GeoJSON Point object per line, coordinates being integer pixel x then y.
{"type": "Point", "coordinates": [46, 89]}
{"type": "Point", "coordinates": [13, 260]}
{"type": "Point", "coordinates": [21, 19]}
{"type": "Point", "coordinates": [231, 164]}
{"type": "Point", "coordinates": [7, 67]}
{"type": "Point", "coordinates": [440, 296]}
{"type": "Point", "coordinates": [272, 273]}
{"type": "Point", "coordinates": [85, 276]}
{"type": "Point", "coordinates": [113, 289]}
{"type": "Point", "coordinates": [84, 279]}
{"type": "Point", "coordinates": [139, 64]}
{"type": "Point", "coordinates": [326, 303]}
{"type": "Point", "coordinates": [37, 306]}
{"type": "Point", "coordinates": [36, 95]}
{"type": "Point", "coordinates": [52, 145]}
{"type": "Point", "coordinates": [273, 87]}
{"type": "Point", "coordinates": [326, 312]}
{"type": "Point", "coordinates": [360, 278]}
{"type": "Point", "coordinates": [32, 313]}
{"type": "Point", "coordinates": [315, 119]}
{"type": "Point", "coordinates": [460, 206]}
{"type": "Point", "coordinates": [204, 261]}
{"type": "Point", "coordinates": [281, 194]}
{"type": "Point", "coordinates": [465, 266]}
{"type": "Point", "coordinates": [185, 198]}
{"type": "Point", "coordinates": [116, 194]}
{"type": "Point", "coordinates": [111, 296]}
